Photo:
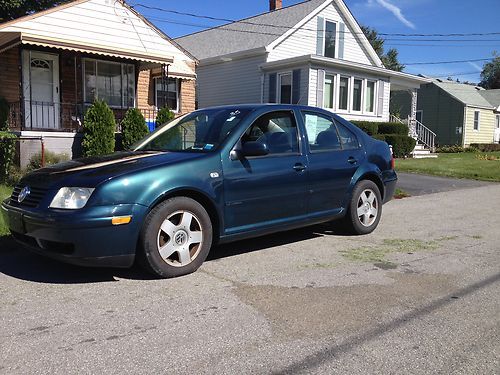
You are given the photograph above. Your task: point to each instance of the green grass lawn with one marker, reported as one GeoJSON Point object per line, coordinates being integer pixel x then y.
{"type": "Point", "coordinates": [463, 165]}
{"type": "Point", "coordinates": [5, 191]}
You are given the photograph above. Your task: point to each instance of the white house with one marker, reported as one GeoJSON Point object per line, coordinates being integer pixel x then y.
{"type": "Point", "coordinates": [312, 53]}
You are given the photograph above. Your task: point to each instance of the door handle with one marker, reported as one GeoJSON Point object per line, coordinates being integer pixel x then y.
{"type": "Point", "coordinates": [299, 167]}
{"type": "Point", "coordinates": [352, 160]}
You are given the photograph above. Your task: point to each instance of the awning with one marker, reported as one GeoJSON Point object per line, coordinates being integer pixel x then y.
{"type": "Point", "coordinates": [177, 69]}
{"type": "Point", "coordinates": [10, 39]}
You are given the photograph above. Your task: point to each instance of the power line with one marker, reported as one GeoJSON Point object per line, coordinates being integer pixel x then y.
{"type": "Point", "coordinates": [300, 28]}
{"type": "Point", "coordinates": [446, 62]}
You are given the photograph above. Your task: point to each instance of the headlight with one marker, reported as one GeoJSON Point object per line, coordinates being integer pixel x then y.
{"type": "Point", "coordinates": [71, 198]}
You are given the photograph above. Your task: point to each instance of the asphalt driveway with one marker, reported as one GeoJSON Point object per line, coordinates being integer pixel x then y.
{"type": "Point", "coordinates": [420, 295]}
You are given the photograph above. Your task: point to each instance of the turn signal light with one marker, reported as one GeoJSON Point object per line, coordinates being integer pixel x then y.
{"type": "Point", "coordinates": [120, 220]}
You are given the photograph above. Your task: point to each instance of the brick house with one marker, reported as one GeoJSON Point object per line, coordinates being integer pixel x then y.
{"type": "Point", "coordinates": [53, 64]}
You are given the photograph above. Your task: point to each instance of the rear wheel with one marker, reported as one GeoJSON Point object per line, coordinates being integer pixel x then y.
{"type": "Point", "coordinates": [176, 237]}
{"type": "Point", "coordinates": [365, 208]}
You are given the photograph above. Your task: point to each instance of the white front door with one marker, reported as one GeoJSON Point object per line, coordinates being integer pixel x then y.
{"type": "Point", "coordinates": [41, 90]}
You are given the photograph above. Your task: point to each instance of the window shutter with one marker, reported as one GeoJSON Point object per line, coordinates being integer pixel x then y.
{"type": "Point", "coordinates": [381, 93]}
{"type": "Point", "coordinates": [272, 87]}
{"type": "Point", "coordinates": [320, 89]}
{"type": "Point", "coordinates": [296, 86]}
{"type": "Point", "coordinates": [320, 37]}
{"type": "Point", "coordinates": [341, 40]}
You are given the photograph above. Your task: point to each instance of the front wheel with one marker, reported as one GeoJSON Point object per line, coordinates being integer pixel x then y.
{"type": "Point", "coordinates": [365, 208]}
{"type": "Point", "coordinates": [176, 238]}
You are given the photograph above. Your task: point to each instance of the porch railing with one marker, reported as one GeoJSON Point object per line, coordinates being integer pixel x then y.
{"type": "Point", "coordinates": [425, 135]}
{"type": "Point", "coordinates": [64, 117]}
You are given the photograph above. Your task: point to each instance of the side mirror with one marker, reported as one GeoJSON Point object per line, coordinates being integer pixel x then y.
{"type": "Point", "coordinates": [254, 149]}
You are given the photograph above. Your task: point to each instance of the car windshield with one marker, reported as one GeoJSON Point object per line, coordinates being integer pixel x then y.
{"type": "Point", "coordinates": [200, 131]}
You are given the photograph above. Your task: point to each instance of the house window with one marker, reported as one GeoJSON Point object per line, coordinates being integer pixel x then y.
{"type": "Point", "coordinates": [329, 90]}
{"type": "Point", "coordinates": [167, 93]}
{"type": "Point", "coordinates": [476, 120]}
{"type": "Point", "coordinates": [498, 121]}
{"type": "Point", "coordinates": [285, 85]}
{"type": "Point", "coordinates": [330, 38]}
{"type": "Point", "coordinates": [356, 94]}
{"type": "Point", "coordinates": [370, 97]}
{"type": "Point", "coordinates": [344, 93]}
{"type": "Point", "coordinates": [109, 81]}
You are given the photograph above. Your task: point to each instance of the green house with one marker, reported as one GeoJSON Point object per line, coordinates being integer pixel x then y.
{"type": "Point", "coordinates": [458, 113]}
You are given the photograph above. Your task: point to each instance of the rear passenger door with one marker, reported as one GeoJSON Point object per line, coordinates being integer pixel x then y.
{"type": "Point", "coordinates": [334, 155]}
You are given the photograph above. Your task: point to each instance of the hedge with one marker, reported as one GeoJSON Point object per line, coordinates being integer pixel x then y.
{"type": "Point", "coordinates": [369, 127]}
{"type": "Point", "coordinates": [49, 158]}
{"type": "Point", "coordinates": [402, 145]}
{"type": "Point", "coordinates": [486, 147]}
{"type": "Point", "coordinates": [134, 127]}
{"type": "Point", "coordinates": [7, 147]}
{"type": "Point", "coordinates": [98, 130]}
{"type": "Point", "coordinates": [373, 128]}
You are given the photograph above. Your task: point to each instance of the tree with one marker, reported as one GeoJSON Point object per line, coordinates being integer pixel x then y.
{"type": "Point", "coordinates": [98, 130]}
{"type": "Point", "coordinates": [134, 128]}
{"type": "Point", "coordinates": [389, 59]}
{"type": "Point", "coordinates": [490, 76]}
{"type": "Point", "coordinates": [12, 9]}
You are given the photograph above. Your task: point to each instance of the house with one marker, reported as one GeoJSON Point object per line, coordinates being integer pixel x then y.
{"type": "Point", "coordinates": [458, 113]}
{"type": "Point", "coordinates": [53, 64]}
{"type": "Point", "coordinates": [312, 53]}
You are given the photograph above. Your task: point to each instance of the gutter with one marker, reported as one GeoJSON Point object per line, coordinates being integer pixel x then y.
{"type": "Point", "coordinates": [233, 56]}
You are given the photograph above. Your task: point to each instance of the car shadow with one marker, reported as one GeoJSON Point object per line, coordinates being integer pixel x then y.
{"type": "Point", "coordinates": [20, 263]}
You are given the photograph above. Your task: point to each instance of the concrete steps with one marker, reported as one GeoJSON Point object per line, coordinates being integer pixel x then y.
{"type": "Point", "coordinates": [421, 152]}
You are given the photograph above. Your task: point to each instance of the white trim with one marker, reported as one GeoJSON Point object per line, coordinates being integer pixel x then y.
{"type": "Point", "coordinates": [375, 95]}
{"type": "Point", "coordinates": [177, 93]}
{"type": "Point", "coordinates": [336, 54]}
{"type": "Point", "coordinates": [333, 86]}
{"type": "Point", "coordinates": [42, 134]}
{"type": "Point", "coordinates": [346, 110]}
{"type": "Point", "coordinates": [478, 121]}
{"type": "Point", "coordinates": [361, 104]}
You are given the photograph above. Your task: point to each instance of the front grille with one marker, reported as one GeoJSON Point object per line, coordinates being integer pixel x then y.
{"type": "Point", "coordinates": [33, 199]}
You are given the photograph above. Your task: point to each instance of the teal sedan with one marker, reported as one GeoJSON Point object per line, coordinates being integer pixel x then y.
{"type": "Point", "coordinates": [212, 176]}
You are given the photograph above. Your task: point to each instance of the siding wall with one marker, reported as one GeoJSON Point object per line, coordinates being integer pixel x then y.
{"type": "Point", "coordinates": [377, 116]}
{"type": "Point", "coordinates": [10, 75]}
{"type": "Point", "coordinates": [231, 82]}
{"type": "Point", "coordinates": [303, 41]}
{"type": "Point", "coordinates": [486, 131]}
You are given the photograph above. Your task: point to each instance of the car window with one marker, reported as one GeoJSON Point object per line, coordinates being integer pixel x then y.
{"type": "Point", "coordinates": [347, 138]}
{"type": "Point", "coordinates": [278, 130]}
{"type": "Point", "coordinates": [321, 133]}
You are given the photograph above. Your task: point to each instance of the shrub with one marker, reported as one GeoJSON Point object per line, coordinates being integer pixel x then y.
{"type": "Point", "coordinates": [15, 174]}
{"type": "Point", "coordinates": [7, 146]}
{"type": "Point", "coordinates": [50, 158]}
{"type": "Point", "coordinates": [392, 128]}
{"type": "Point", "coordinates": [486, 147]}
{"type": "Point", "coordinates": [134, 127]}
{"type": "Point", "coordinates": [164, 115]}
{"type": "Point", "coordinates": [402, 145]}
{"type": "Point", "coordinates": [98, 130]}
{"type": "Point", "coordinates": [4, 115]}
{"type": "Point", "coordinates": [370, 128]}
{"type": "Point", "coordinates": [380, 137]}
{"type": "Point", "coordinates": [451, 149]}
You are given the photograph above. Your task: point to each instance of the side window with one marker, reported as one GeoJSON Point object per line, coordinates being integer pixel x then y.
{"type": "Point", "coordinates": [278, 130]}
{"type": "Point", "coordinates": [321, 133]}
{"type": "Point", "coordinates": [348, 139]}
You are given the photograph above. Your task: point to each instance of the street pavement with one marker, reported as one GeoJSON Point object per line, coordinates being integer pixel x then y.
{"type": "Point", "coordinates": [420, 295]}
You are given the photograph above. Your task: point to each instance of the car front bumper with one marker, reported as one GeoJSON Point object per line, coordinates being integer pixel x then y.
{"type": "Point", "coordinates": [84, 237]}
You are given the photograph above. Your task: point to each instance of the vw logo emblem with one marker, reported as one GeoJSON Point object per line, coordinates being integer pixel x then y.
{"type": "Point", "coordinates": [23, 194]}
{"type": "Point", "coordinates": [180, 238]}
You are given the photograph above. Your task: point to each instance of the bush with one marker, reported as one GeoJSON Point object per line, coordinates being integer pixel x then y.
{"type": "Point", "coordinates": [392, 128]}
{"type": "Point", "coordinates": [486, 147]}
{"type": "Point", "coordinates": [15, 174]}
{"type": "Point", "coordinates": [451, 149]}
{"type": "Point", "coordinates": [164, 115]}
{"type": "Point", "coordinates": [370, 128]}
{"type": "Point", "coordinates": [50, 158]}
{"type": "Point", "coordinates": [7, 147]}
{"type": "Point", "coordinates": [98, 130]}
{"type": "Point", "coordinates": [134, 127]}
{"type": "Point", "coordinates": [4, 115]}
{"type": "Point", "coordinates": [402, 145]}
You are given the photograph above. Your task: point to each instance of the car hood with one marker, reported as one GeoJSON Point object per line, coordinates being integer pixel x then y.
{"type": "Point", "coordinates": [90, 172]}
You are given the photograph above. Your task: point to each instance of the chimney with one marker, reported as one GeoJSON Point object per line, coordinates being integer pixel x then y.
{"type": "Point", "coordinates": [275, 4]}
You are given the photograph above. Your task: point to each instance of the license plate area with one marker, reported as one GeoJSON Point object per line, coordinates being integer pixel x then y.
{"type": "Point", "coordinates": [16, 222]}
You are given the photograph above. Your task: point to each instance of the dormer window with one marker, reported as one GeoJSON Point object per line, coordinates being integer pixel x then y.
{"type": "Point", "coordinates": [330, 38]}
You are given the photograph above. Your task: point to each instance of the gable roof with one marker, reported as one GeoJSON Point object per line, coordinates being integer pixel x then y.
{"type": "Point", "coordinates": [105, 27]}
{"type": "Point", "coordinates": [264, 30]}
{"type": "Point", "coordinates": [470, 95]}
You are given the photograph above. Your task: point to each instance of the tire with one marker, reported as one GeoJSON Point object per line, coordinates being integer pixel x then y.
{"type": "Point", "coordinates": [365, 208]}
{"type": "Point", "coordinates": [176, 238]}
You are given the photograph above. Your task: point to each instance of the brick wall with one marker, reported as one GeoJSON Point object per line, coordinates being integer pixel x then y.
{"type": "Point", "coordinates": [10, 75]}
{"type": "Point", "coordinates": [188, 95]}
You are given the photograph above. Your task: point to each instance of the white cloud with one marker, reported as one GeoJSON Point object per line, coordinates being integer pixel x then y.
{"type": "Point", "coordinates": [394, 10]}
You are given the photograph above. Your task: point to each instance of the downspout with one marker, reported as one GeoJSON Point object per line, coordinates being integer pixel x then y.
{"type": "Point", "coordinates": [21, 93]}
{"type": "Point", "coordinates": [464, 125]}
{"type": "Point", "coordinates": [31, 94]}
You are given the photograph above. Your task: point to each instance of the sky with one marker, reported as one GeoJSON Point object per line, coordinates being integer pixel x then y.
{"type": "Point", "coordinates": [386, 16]}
